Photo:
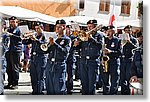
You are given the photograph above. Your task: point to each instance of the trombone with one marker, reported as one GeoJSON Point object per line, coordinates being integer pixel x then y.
{"type": "Point", "coordinates": [81, 35]}
{"type": "Point", "coordinates": [11, 34]}
{"type": "Point", "coordinates": [94, 29]}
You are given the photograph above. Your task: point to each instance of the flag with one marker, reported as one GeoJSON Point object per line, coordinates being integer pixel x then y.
{"type": "Point", "coordinates": [112, 20]}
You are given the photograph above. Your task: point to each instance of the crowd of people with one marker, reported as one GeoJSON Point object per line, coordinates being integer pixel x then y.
{"type": "Point", "coordinates": [98, 56]}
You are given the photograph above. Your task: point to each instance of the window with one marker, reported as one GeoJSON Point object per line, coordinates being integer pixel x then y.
{"type": "Point", "coordinates": [104, 6]}
{"type": "Point", "coordinates": [125, 7]}
{"type": "Point", "coordinates": [140, 9]}
{"type": "Point", "coordinates": [81, 4]}
{"type": "Point", "coordinates": [139, 12]}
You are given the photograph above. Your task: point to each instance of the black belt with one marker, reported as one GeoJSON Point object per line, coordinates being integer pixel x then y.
{"type": "Point", "coordinates": [56, 60]}
{"type": "Point", "coordinates": [89, 57]}
{"type": "Point", "coordinates": [125, 57]}
{"type": "Point", "coordinates": [36, 54]}
{"type": "Point", "coordinates": [115, 58]}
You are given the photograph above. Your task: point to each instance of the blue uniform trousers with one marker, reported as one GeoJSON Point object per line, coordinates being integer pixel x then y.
{"type": "Point", "coordinates": [13, 59]}
{"type": "Point", "coordinates": [37, 69]}
{"type": "Point", "coordinates": [1, 80]}
{"type": "Point", "coordinates": [56, 78]}
{"type": "Point", "coordinates": [99, 81]}
{"type": "Point", "coordinates": [70, 76]}
{"type": "Point", "coordinates": [125, 75]}
{"type": "Point", "coordinates": [77, 69]}
{"type": "Point", "coordinates": [112, 75]}
{"type": "Point", "coordinates": [88, 75]}
{"type": "Point", "coordinates": [139, 69]}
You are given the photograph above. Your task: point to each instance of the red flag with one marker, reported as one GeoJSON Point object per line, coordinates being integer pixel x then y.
{"type": "Point", "coordinates": [112, 19]}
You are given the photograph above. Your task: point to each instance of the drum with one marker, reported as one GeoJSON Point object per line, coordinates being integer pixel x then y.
{"type": "Point", "coordinates": [136, 88]}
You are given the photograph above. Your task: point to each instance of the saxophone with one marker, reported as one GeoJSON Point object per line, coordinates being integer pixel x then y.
{"type": "Point", "coordinates": [105, 59]}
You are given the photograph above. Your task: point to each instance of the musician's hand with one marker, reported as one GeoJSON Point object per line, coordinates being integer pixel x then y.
{"type": "Point", "coordinates": [51, 41]}
{"type": "Point", "coordinates": [93, 32]}
{"type": "Point", "coordinates": [133, 79]}
{"type": "Point", "coordinates": [107, 51]}
{"type": "Point", "coordinates": [33, 37]}
{"type": "Point", "coordinates": [102, 63]}
{"type": "Point", "coordinates": [76, 43]}
{"type": "Point", "coordinates": [29, 32]}
{"type": "Point", "coordinates": [129, 41]}
{"type": "Point", "coordinates": [86, 38]}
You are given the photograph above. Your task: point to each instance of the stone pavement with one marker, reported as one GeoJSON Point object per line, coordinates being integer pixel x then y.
{"type": "Point", "coordinates": [24, 87]}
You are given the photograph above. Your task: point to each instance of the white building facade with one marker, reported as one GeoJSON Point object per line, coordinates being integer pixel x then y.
{"type": "Point", "coordinates": [124, 10]}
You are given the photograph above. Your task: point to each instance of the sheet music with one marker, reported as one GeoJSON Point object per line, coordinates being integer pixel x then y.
{"type": "Point", "coordinates": [24, 29]}
{"type": "Point", "coordinates": [75, 26]}
{"type": "Point", "coordinates": [50, 34]}
{"type": "Point", "coordinates": [124, 36]}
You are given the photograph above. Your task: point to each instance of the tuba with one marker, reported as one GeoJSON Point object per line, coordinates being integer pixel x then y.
{"type": "Point", "coordinates": [105, 59]}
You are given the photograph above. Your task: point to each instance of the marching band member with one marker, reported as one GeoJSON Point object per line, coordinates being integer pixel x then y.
{"type": "Point", "coordinates": [111, 67]}
{"type": "Point", "coordinates": [126, 60]}
{"type": "Point", "coordinates": [70, 62]}
{"type": "Point", "coordinates": [56, 66]}
{"type": "Point", "coordinates": [89, 63]}
{"type": "Point", "coordinates": [38, 59]}
{"type": "Point", "coordinates": [137, 63]}
{"type": "Point", "coordinates": [13, 54]}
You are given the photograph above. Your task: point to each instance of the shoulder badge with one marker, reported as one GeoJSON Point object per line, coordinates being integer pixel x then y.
{"type": "Point", "coordinates": [113, 44]}
{"type": "Point", "coordinates": [14, 31]}
{"type": "Point", "coordinates": [62, 42]}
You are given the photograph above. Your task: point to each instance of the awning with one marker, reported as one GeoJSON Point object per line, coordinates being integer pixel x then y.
{"type": "Point", "coordinates": [82, 20]}
{"type": "Point", "coordinates": [26, 14]}
{"type": "Point", "coordinates": [134, 23]}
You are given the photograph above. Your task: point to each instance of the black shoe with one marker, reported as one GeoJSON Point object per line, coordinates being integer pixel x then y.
{"type": "Point", "coordinates": [8, 87]}
{"type": "Point", "coordinates": [98, 86]}
{"type": "Point", "coordinates": [14, 87]}
{"type": "Point", "coordinates": [2, 93]}
{"type": "Point", "coordinates": [70, 92]}
{"type": "Point", "coordinates": [41, 93]}
{"type": "Point", "coordinates": [33, 93]}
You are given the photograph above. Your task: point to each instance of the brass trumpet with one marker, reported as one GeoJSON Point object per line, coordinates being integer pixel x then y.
{"type": "Point", "coordinates": [44, 47]}
{"type": "Point", "coordinates": [28, 35]}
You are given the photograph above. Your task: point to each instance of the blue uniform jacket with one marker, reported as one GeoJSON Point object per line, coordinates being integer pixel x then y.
{"type": "Point", "coordinates": [71, 51]}
{"type": "Point", "coordinates": [15, 41]}
{"type": "Point", "coordinates": [115, 46]}
{"type": "Point", "coordinates": [127, 48]}
{"type": "Point", "coordinates": [60, 49]}
{"type": "Point", "coordinates": [36, 44]}
{"type": "Point", "coordinates": [91, 48]}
